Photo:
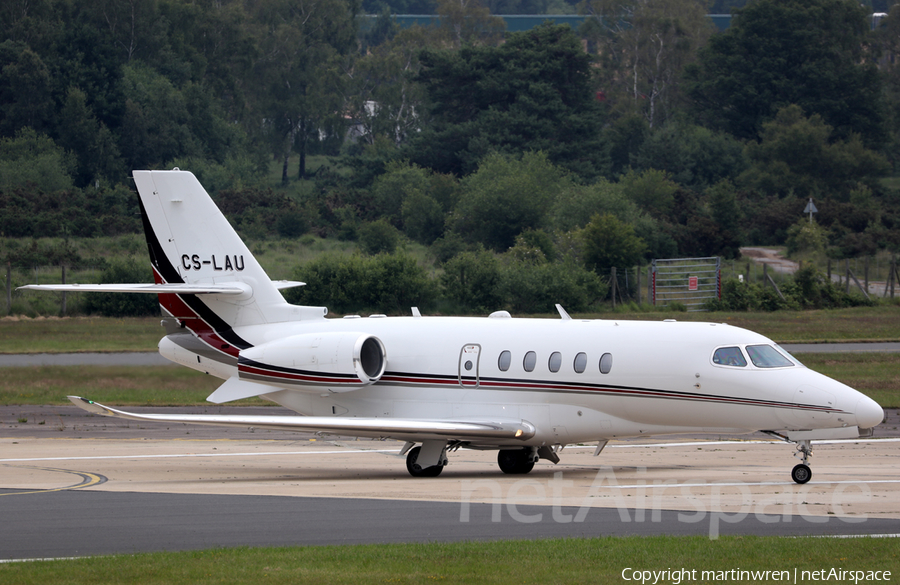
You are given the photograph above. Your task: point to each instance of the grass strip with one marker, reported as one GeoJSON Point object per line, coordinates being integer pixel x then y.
{"type": "Point", "coordinates": [574, 560]}
{"type": "Point", "coordinates": [876, 375]}
{"type": "Point", "coordinates": [79, 334]}
{"type": "Point", "coordinates": [114, 385]}
{"type": "Point", "coordinates": [102, 334]}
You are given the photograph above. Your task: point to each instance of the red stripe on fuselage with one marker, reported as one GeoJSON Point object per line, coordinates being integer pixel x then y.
{"type": "Point", "coordinates": [176, 307]}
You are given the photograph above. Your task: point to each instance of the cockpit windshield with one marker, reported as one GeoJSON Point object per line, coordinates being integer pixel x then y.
{"type": "Point", "coordinates": [766, 356]}
{"type": "Point", "coordinates": [729, 356]}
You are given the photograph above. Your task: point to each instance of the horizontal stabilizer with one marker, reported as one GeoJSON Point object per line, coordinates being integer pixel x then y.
{"type": "Point", "coordinates": [377, 428]}
{"type": "Point", "coordinates": [236, 288]}
{"type": "Point", "coordinates": [236, 389]}
{"type": "Point", "coordinates": [283, 284]}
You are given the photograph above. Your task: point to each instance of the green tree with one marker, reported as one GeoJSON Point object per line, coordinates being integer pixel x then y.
{"type": "Point", "coordinates": [399, 181]}
{"type": "Point", "coordinates": [609, 242]}
{"type": "Point", "coordinates": [643, 47]}
{"type": "Point", "coordinates": [506, 196]}
{"type": "Point", "coordinates": [468, 22]}
{"type": "Point", "coordinates": [530, 287]}
{"type": "Point", "coordinates": [808, 238]}
{"type": "Point", "coordinates": [24, 89]}
{"type": "Point", "coordinates": [91, 142]}
{"type": "Point", "coordinates": [34, 159]}
{"type": "Point", "coordinates": [123, 305]}
{"type": "Point", "coordinates": [726, 212]}
{"type": "Point", "coordinates": [652, 190]}
{"type": "Point", "coordinates": [472, 281]}
{"type": "Point", "coordinates": [378, 237]}
{"type": "Point", "coordinates": [691, 155]}
{"type": "Point", "coordinates": [303, 46]}
{"type": "Point", "coordinates": [389, 283]}
{"type": "Point", "coordinates": [796, 155]}
{"type": "Point", "coordinates": [887, 40]}
{"type": "Point", "coordinates": [812, 53]}
{"type": "Point", "coordinates": [531, 93]}
{"type": "Point", "coordinates": [383, 98]}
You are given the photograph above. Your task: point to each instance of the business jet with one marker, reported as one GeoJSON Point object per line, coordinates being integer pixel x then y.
{"type": "Point", "coordinates": [523, 387]}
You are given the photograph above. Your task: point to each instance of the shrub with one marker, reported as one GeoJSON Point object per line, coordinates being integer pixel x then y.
{"type": "Point", "coordinates": [123, 304]}
{"type": "Point", "coordinates": [536, 288]}
{"type": "Point", "coordinates": [472, 281]}
{"type": "Point", "coordinates": [378, 237]}
{"type": "Point", "coordinates": [387, 283]}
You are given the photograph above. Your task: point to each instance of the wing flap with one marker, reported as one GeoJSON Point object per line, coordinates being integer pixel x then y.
{"type": "Point", "coordinates": [376, 428]}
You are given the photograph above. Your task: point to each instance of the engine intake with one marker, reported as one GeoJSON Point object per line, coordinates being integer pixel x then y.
{"type": "Point", "coordinates": [340, 361]}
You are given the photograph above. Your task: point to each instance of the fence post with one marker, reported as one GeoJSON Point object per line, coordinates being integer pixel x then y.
{"type": "Point", "coordinates": [612, 284]}
{"type": "Point", "coordinates": [765, 275]}
{"type": "Point", "coordinates": [893, 273]}
{"type": "Point", "coordinates": [847, 276]}
{"type": "Point", "coordinates": [62, 305]}
{"type": "Point", "coordinates": [637, 273]}
{"type": "Point", "coordinates": [9, 288]}
{"type": "Point", "coordinates": [829, 270]}
{"type": "Point", "coordinates": [866, 273]}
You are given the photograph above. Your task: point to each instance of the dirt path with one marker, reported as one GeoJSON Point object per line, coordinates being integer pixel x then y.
{"type": "Point", "coordinates": [774, 259]}
{"type": "Point", "coordinates": [771, 257]}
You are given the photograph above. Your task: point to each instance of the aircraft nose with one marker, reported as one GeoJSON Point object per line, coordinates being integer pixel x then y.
{"type": "Point", "coordinates": [868, 413]}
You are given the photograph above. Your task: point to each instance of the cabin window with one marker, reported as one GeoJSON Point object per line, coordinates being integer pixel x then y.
{"type": "Point", "coordinates": [505, 359]}
{"type": "Point", "coordinates": [580, 363]}
{"type": "Point", "coordinates": [766, 356]}
{"type": "Point", "coordinates": [729, 356]}
{"type": "Point", "coordinates": [555, 361]}
{"type": "Point", "coordinates": [605, 363]}
{"type": "Point", "coordinates": [530, 361]}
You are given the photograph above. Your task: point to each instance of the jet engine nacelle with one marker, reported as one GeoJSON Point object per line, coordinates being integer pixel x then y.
{"type": "Point", "coordinates": [340, 361]}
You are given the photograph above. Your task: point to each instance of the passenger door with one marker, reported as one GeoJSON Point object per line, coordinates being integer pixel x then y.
{"type": "Point", "coordinates": [469, 357]}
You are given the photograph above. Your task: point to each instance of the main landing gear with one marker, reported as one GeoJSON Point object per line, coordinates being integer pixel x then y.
{"type": "Point", "coordinates": [517, 461]}
{"type": "Point", "coordinates": [801, 472]}
{"type": "Point", "coordinates": [417, 470]}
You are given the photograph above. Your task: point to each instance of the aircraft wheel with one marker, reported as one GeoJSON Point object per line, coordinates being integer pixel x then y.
{"type": "Point", "coordinates": [515, 461]}
{"type": "Point", "coordinates": [801, 473]}
{"type": "Point", "coordinates": [417, 470]}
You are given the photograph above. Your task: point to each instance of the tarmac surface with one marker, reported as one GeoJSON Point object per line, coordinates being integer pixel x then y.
{"type": "Point", "coordinates": [76, 484]}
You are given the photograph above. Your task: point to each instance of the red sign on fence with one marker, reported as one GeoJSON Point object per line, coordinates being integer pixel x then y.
{"type": "Point", "coordinates": [693, 283]}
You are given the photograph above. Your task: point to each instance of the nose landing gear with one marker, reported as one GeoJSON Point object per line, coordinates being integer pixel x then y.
{"type": "Point", "coordinates": [801, 472]}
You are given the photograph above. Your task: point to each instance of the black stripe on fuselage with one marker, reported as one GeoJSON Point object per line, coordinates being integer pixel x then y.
{"type": "Point", "coordinates": [525, 385]}
{"type": "Point", "coordinates": [171, 275]}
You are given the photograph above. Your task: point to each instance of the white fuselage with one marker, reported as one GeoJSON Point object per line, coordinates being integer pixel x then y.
{"type": "Point", "coordinates": [661, 378]}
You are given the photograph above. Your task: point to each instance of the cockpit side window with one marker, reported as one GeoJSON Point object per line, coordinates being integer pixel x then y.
{"type": "Point", "coordinates": [766, 356]}
{"type": "Point", "coordinates": [729, 356]}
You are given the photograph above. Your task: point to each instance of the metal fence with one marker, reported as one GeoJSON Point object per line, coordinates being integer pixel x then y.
{"type": "Point", "coordinates": [691, 282]}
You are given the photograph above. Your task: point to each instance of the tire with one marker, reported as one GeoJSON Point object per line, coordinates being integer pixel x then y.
{"type": "Point", "coordinates": [801, 473]}
{"type": "Point", "coordinates": [515, 462]}
{"type": "Point", "coordinates": [417, 470]}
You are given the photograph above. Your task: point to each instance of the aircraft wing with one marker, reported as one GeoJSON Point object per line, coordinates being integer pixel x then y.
{"type": "Point", "coordinates": [184, 289]}
{"type": "Point", "coordinates": [376, 428]}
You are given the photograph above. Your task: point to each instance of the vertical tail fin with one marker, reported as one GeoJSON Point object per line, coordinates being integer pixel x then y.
{"type": "Point", "coordinates": [191, 242]}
